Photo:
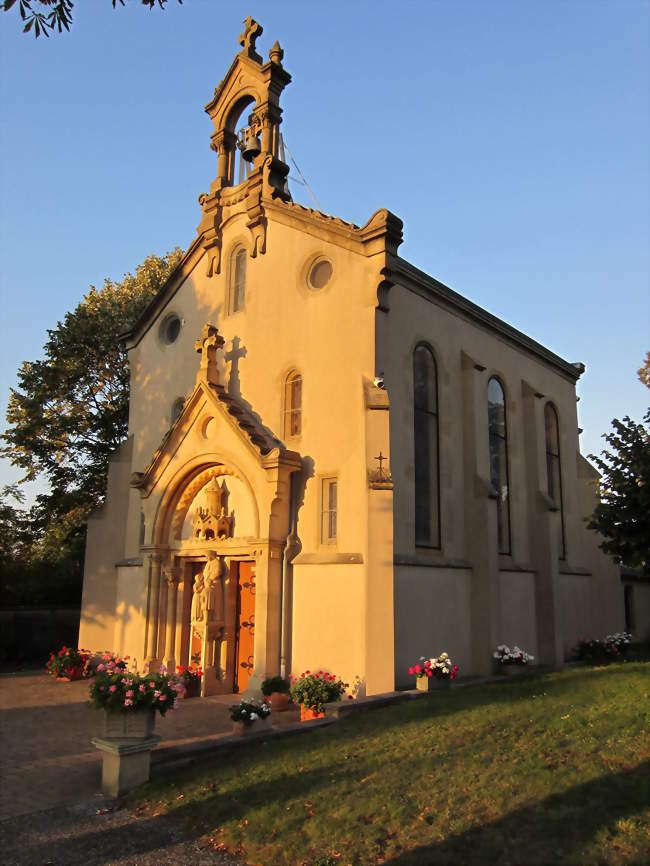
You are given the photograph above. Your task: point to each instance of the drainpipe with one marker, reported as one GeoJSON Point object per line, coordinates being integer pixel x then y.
{"type": "Point", "coordinates": [291, 548]}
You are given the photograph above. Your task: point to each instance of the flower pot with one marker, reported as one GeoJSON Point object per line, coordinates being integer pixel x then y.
{"type": "Point", "coordinates": [192, 689]}
{"type": "Point", "coordinates": [129, 725]}
{"type": "Point", "coordinates": [75, 674]}
{"type": "Point", "coordinates": [278, 701]}
{"type": "Point", "coordinates": [241, 729]}
{"type": "Point", "coordinates": [307, 714]}
{"type": "Point", "coordinates": [511, 670]}
{"type": "Point", "coordinates": [430, 684]}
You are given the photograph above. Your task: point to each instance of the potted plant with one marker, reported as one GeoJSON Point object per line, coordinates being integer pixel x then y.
{"type": "Point", "coordinates": [511, 661]}
{"type": "Point", "coordinates": [436, 672]}
{"type": "Point", "coordinates": [313, 690]}
{"type": "Point", "coordinates": [67, 665]}
{"type": "Point", "coordinates": [276, 691]}
{"type": "Point", "coordinates": [103, 658]}
{"type": "Point", "coordinates": [246, 713]}
{"type": "Point", "coordinates": [620, 640]}
{"type": "Point", "coordinates": [190, 679]}
{"type": "Point", "coordinates": [130, 701]}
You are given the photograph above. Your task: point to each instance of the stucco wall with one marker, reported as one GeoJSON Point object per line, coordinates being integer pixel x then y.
{"type": "Point", "coordinates": [575, 606]}
{"type": "Point", "coordinates": [432, 616]}
{"type": "Point", "coordinates": [518, 619]}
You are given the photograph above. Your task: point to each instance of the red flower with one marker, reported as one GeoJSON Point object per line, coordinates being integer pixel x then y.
{"type": "Point", "coordinates": [418, 669]}
{"type": "Point", "coordinates": [411, 670]}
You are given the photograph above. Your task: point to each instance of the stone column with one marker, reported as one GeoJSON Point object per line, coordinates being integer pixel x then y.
{"type": "Point", "coordinates": [172, 576]}
{"type": "Point", "coordinates": [268, 592]}
{"type": "Point", "coordinates": [480, 517]}
{"type": "Point", "coordinates": [154, 607]}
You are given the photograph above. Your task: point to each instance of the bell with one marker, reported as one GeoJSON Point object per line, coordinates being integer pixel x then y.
{"type": "Point", "coordinates": [252, 148]}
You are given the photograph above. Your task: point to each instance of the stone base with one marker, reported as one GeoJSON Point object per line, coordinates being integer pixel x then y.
{"type": "Point", "coordinates": [125, 763]}
{"type": "Point", "coordinates": [431, 684]}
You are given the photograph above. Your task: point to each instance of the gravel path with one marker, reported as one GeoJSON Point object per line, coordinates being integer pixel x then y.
{"type": "Point", "coordinates": [79, 836]}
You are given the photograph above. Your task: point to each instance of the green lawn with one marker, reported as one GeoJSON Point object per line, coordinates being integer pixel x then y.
{"type": "Point", "coordinates": [553, 769]}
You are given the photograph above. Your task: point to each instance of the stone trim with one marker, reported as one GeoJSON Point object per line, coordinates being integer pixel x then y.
{"type": "Point", "coordinates": [420, 562]}
{"type": "Point", "coordinates": [328, 559]}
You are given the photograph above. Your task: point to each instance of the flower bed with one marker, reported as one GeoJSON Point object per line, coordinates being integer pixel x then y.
{"type": "Point", "coordinates": [609, 649]}
{"type": "Point", "coordinates": [246, 713]}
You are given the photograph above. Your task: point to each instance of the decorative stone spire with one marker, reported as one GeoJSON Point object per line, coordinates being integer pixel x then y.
{"type": "Point", "coordinates": [276, 54]}
{"type": "Point", "coordinates": [248, 38]}
{"type": "Point", "coordinates": [211, 340]}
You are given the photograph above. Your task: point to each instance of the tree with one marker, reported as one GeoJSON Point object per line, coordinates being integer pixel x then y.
{"type": "Point", "coordinates": [644, 371]}
{"type": "Point", "coordinates": [70, 411]}
{"type": "Point", "coordinates": [45, 15]}
{"type": "Point", "coordinates": [623, 515]}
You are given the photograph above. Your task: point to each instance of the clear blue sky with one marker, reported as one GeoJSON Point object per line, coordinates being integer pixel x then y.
{"type": "Point", "coordinates": [512, 138]}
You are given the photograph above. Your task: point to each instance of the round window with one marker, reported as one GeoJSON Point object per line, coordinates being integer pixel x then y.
{"type": "Point", "coordinates": [320, 274]}
{"type": "Point", "coordinates": [170, 329]}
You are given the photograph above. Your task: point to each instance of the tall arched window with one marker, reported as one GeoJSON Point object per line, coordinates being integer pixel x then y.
{"type": "Point", "coordinates": [553, 469]}
{"type": "Point", "coordinates": [293, 405]}
{"type": "Point", "coordinates": [499, 461]}
{"type": "Point", "coordinates": [237, 282]}
{"type": "Point", "coordinates": [427, 464]}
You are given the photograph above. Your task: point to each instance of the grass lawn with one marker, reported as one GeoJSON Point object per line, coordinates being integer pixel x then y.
{"type": "Point", "coordinates": [553, 769]}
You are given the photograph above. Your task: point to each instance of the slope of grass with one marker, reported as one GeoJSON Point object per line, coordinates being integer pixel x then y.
{"type": "Point", "coordinates": [554, 769]}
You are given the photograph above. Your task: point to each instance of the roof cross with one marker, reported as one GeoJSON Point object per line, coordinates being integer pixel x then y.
{"type": "Point", "coordinates": [248, 38]}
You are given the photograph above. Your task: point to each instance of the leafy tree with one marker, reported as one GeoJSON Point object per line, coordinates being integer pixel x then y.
{"type": "Point", "coordinates": [45, 15]}
{"type": "Point", "coordinates": [623, 515]}
{"type": "Point", "coordinates": [644, 372]}
{"type": "Point", "coordinates": [70, 412]}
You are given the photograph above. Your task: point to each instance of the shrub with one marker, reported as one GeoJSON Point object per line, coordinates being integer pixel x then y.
{"type": "Point", "coordinates": [275, 684]}
{"type": "Point", "coordinates": [113, 688]}
{"type": "Point", "coordinates": [515, 656]}
{"type": "Point", "coordinates": [67, 662]}
{"type": "Point", "coordinates": [249, 712]}
{"type": "Point", "coordinates": [314, 690]}
{"type": "Point", "coordinates": [440, 667]}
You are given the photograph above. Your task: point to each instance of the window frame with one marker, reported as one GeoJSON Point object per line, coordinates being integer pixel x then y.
{"type": "Point", "coordinates": [289, 412]}
{"type": "Point", "coordinates": [233, 292]}
{"type": "Point", "coordinates": [326, 482]}
{"type": "Point", "coordinates": [556, 459]}
{"type": "Point", "coordinates": [493, 433]}
{"type": "Point", "coordinates": [434, 539]}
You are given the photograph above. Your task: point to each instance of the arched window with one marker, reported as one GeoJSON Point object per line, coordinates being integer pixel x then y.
{"type": "Point", "coordinates": [427, 466]}
{"type": "Point", "coordinates": [237, 284]}
{"type": "Point", "coordinates": [553, 469]}
{"type": "Point", "coordinates": [293, 405]}
{"type": "Point", "coordinates": [499, 460]}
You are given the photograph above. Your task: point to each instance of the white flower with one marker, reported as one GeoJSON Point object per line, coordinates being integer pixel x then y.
{"type": "Point", "coordinates": [254, 716]}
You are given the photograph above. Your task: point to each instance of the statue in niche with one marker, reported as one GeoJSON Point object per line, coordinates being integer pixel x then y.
{"type": "Point", "coordinates": [212, 599]}
{"type": "Point", "coordinates": [197, 599]}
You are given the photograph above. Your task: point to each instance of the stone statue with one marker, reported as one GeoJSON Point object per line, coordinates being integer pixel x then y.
{"type": "Point", "coordinates": [213, 589]}
{"type": "Point", "coordinates": [197, 599]}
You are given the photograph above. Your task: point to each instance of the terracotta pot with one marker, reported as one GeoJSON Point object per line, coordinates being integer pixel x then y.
{"type": "Point", "coordinates": [129, 725]}
{"type": "Point", "coordinates": [77, 674]}
{"type": "Point", "coordinates": [430, 684]}
{"type": "Point", "coordinates": [307, 714]}
{"type": "Point", "coordinates": [278, 701]}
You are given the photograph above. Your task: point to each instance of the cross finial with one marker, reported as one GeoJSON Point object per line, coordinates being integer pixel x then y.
{"type": "Point", "coordinates": [381, 459]}
{"type": "Point", "coordinates": [248, 38]}
{"type": "Point", "coordinates": [210, 341]}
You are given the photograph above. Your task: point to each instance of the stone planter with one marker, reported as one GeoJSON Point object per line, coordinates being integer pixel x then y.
{"type": "Point", "coordinates": [431, 684]}
{"type": "Point", "coordinates": [193, 689]}
{"type": "Point", "coordinates": [307, 714]}
{"type": "Point", "coordinates": [278, 701]}
{"type": "Point", "coordinates": [126, 746]}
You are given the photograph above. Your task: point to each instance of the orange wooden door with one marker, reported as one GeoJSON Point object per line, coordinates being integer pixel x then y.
{"type": "Point", "coordinates": [245, 625]}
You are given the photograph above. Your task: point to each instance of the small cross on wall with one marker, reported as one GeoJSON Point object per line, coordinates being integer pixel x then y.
{"type": "Point", "coordinates": [381, 459]}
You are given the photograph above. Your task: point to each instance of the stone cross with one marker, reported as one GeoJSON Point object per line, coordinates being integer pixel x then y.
{"type": "Point", "coordinates": [211, 340]}
{"type": "Point", "coordinates": [381, 459]}
{"type": "Point", "coordinates": [248, 38]}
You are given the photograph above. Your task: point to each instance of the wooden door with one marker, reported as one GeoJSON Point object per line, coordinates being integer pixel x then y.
{"type": "Point", "coordinates": [245, 634]}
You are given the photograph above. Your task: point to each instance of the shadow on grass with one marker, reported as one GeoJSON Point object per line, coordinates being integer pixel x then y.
{"type": "Point", "coordinates": [550, 831]}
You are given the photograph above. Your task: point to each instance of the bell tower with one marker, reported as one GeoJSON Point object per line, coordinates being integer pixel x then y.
{"type": "Point", "coordinates": [255, 85]}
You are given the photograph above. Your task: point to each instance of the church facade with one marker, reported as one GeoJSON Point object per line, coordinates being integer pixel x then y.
{"type": "Point", "coordinates": [334, 461]}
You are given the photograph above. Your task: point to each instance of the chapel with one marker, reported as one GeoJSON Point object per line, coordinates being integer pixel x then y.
{"type": "Point", "coordinates": [334, 461]}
